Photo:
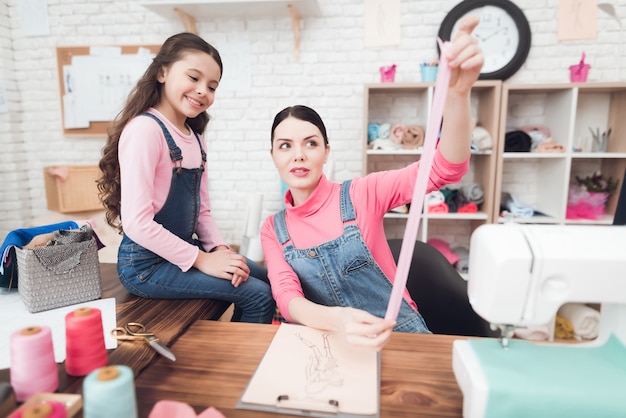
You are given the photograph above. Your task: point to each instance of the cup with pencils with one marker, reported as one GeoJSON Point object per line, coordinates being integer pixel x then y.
{"type": "Point", "coordinates": [428, 71]}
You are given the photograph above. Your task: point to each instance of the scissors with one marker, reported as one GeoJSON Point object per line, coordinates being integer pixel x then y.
{"type": "Point", "coordinates": [135, 331]}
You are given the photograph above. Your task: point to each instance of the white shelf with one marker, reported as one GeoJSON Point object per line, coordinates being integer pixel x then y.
{"type": "Point", "coordinates": [617, 155]}
{"type": "Point", "coordinates": [475, 216]}
{"type": "Point", "coordinates": [209, 9]}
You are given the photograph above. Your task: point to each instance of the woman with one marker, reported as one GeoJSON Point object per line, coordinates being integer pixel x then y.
{"type": "Point", "coordinates": [327, 255]}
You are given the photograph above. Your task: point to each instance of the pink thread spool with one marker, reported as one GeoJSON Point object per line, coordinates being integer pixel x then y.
{"type": "Point", "coordinates": [388, 74]}
{"type": "Point", "coordinates": [33, 368]}
{"type": "Point", "coordinates": [84, 342]}
{"type": "Point", "coordinates": [43, 409]}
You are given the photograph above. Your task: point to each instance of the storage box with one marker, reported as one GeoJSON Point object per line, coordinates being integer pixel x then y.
{"type": "Point", "coordinates": [72, 188]}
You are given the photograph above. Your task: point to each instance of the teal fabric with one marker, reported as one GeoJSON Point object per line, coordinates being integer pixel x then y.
{"type": "Point", "coordinates": [542, 380]}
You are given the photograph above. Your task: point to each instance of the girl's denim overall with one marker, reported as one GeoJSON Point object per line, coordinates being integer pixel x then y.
{"type": "Point", "coordinates": [146, 274]}
{"type": "Point", "coordinates": [342, 272]}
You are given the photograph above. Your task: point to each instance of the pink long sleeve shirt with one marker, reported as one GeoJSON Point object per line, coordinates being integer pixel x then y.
{"type": "Point", "coordinates": [145, 176]}
{"type": "Point", "coordinates": [318, 220]}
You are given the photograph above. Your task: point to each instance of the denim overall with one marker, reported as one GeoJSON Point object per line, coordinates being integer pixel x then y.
{"type": "Point", "coordinates": [146, 274]}
{"type": "Point", "coordinates": [342, 272]}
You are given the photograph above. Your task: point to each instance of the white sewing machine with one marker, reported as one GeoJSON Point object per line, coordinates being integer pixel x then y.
{"type": "Point", "coordinates": [520, 275]}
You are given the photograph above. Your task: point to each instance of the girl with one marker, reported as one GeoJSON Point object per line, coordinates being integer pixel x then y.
{"type": "Point", "coordinates": [329, 263]}
{"type": "Point", "coordinates": [155, 188]}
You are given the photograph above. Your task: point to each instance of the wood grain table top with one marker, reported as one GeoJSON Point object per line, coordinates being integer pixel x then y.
{"type": "Point", "coordinates": [215, 361]}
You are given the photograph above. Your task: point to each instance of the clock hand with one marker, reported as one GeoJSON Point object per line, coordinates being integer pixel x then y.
{"type": "Point", "coordinates": [491, 34]}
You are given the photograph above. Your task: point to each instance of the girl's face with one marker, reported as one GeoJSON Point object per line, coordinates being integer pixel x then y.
{"type": "Point", "coordinates": [188, 87]}
{"type": "Point", "coordinates": [299, 154]}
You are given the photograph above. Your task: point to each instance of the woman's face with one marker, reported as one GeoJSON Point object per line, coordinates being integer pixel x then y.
{"type": "Point", "coordinates": [299, 154]}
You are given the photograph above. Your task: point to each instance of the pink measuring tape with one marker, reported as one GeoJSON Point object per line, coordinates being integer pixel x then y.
{"type": "Point", "coordinates": [417, 203]}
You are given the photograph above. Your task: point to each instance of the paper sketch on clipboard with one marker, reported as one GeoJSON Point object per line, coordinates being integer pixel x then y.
{"type": "Point", "coordinates": [309, 372]}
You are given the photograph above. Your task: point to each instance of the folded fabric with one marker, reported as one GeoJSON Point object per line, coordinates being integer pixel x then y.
{"type": "Point", "coordinates": [440, 207]}
{"type": "Point", "coordinates": [372, 132]}
{"type": "Point", "coordinates": [516, 207]}
{"type": "Point", "coordinates": [435, 197]}
{"type": "Point", "coordinates": [413, 137]}
{"type": "Point", "coordinates": [534, 333]}
{"type": "Point", "coordinates": [468, 208]}
{"type": "Point", "coordinates": [462, 266]}
{"type": "Point", "coordinates": [176, 409]}
{"type": "Point", "coordinates": [585, 320]}
{"type": "Point", "coordinates": [473, 192]}
{"type": "Point", "coordinates": [548, 146]}
{"type": "Point", "coordinates": [397, 133]}
{"type": "Point", "coordinates": [563, 329]}
{"type": "Point", "coordinates": [383, 144]}
{"type": "Point", "coordinates": [444, 248]}
{"type": "Point", "coordinates": [451, 198]}
{"type": "Point", "coordinates": [21, 237]}
{"type": "Point", "coordinates": [383, 130]}
{"type": "Point", "coordinates": [481, 138]}
{"type": "Point", "coordinates": [517, 141]}
{"type": "Point", "coordinates": [583, 210]}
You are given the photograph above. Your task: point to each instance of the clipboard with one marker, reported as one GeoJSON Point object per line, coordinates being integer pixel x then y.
{"type": "Point", "coordinates": [314, 373]}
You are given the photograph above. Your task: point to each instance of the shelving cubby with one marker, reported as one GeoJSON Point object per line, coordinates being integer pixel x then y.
{"type": "Point", "coordinates": [410, 104]}
{"type": "Point", "coordinates": [571, 112]}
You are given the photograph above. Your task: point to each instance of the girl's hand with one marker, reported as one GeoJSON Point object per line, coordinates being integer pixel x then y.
{"type": "Point", "coordinates": [225, 264]}
{"type": "Point", "coordinates": [465, 56]}
{"type": "Point", "coordinates": [364, 329]}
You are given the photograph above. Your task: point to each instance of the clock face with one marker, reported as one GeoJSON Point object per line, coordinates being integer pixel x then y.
{"type": "Point", "coordinates": [497, 35]}
{"type": "Point", "coordinates": [503, 34]}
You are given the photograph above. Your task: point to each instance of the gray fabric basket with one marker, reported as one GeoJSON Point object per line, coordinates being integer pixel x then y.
{"type": "Point", "coordinates": [60, 275]}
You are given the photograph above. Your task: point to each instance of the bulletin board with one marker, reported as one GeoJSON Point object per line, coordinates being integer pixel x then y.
{"type": "Point", "coordinates": [116, 60]}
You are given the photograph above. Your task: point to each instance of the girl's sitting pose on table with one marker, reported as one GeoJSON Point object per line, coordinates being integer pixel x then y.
{"type": "Point", "coordinates": [328, 259]}
{"type": "Point", "coordinates": [155, 188]}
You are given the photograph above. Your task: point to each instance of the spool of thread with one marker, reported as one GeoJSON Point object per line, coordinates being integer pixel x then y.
{"type": "Point", "coordinates": [84, 342]}
{"type": "Point", "coordinates": [33, 368]}
{"type": "Point", "coordinates": [43, 409]}
{"type": "Point", "coordinates": [110, 392]}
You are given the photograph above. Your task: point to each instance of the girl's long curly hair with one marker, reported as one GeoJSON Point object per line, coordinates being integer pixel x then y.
{"type": "Point", "coordinates": [146, 94]}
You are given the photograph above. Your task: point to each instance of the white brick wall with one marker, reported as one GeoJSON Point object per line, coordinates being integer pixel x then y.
{"type": "Point", "coordinates": [333, 66]}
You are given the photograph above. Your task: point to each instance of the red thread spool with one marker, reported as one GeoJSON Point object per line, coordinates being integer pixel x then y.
{"type": "Point", "coordinates": [33, 368]}
{"type": "Point", "coordinates": [44, 409]}
{"type": "Point", "coordinates": [84, 342]}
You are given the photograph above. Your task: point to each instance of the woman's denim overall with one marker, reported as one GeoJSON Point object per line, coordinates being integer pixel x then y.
{"type": "Point", "coordinates": [145, 274]}
{"type": "Point", "coordinates": [342, 272]}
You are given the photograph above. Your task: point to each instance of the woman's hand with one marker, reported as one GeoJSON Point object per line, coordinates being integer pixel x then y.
{"type": "Point", "coordinates": [465, 56]}
{"type": "Point", "coordinates": [223, 263]}
{"type": "Point", "coordinates": [363, 329]}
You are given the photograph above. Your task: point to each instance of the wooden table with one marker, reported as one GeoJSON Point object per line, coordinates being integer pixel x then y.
{"type": "Point", "coordinates": [167, 318]}
{"type": "Point", "coordinates": [215, 361]}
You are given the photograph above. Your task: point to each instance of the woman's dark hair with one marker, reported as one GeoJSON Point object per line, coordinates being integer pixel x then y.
{"type": "Point", "coordinates": [146, 94]}
{"type": "Point", "coordinates": [303, 113]}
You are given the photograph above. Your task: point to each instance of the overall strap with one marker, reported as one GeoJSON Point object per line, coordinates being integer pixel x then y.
{"type": "Point", "coordinates": [347, 209]}
{"type": "Point", "coordinates": [175, 152]}
{"type": "Point", "coordinates": [280, 227]}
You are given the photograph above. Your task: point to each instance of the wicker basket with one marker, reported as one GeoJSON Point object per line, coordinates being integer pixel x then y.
{"type": "Point", "coordinates": [75, 191]}
{"type": "Point", "coordinates": [42, 288]}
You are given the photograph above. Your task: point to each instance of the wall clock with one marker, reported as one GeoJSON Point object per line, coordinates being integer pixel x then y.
{"type": "Point", "coordinates": [503, 34]}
